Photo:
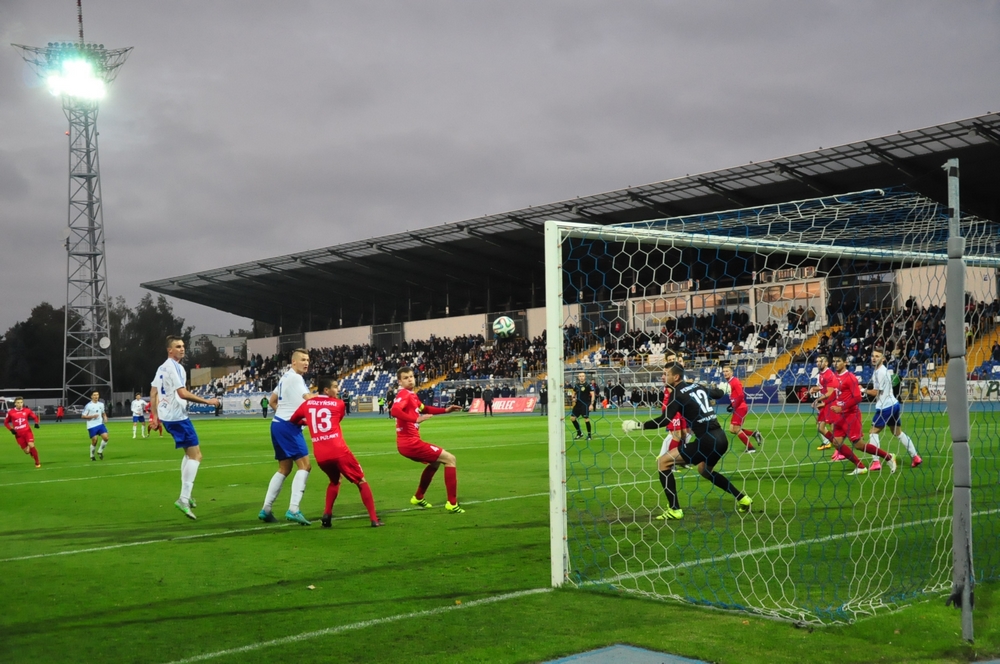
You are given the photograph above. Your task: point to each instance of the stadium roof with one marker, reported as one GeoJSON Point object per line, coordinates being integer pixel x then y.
{"type": "Point", "coordinates": [495, 263]}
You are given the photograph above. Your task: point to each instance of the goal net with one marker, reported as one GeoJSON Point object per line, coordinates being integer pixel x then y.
{"type": "Point", "coordinates": [769, 292]}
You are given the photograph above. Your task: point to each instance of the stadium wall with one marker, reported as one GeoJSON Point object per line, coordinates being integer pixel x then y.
{"type": "Point", "coordinates": [348, 336]}
{"type": "Point", "coordinates": [414, 330]}
{"type": "Point", "coordinates": [265, 346]}
{"type": "Point", "coordinates": [454, 326]}
{"type": "Point", "coordinates": [923, 284]}
{"type": "Point", "coordinates": [536, 319]}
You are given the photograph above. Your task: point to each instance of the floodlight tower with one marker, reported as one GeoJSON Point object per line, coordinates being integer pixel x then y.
{"type": "Point", "coordinates": [80, 73]}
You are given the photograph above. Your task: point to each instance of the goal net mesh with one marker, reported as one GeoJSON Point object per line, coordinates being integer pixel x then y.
{"type": "Point", "coordinates": [766, 290]}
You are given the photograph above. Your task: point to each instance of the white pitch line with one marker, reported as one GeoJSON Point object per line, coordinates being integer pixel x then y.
{"type": "Point", "coordinates": [145, 472]}
{"type": "Point", "coordinates": [364, 624]}
{"type": "Point", "coordinates": [164, 540]}
{"type": "Point", "coordinates": [143, 543]}
{"type": "Point", "coordinates": [229, 465]}
{"type": "Point", "coordinates": [343, 518]}
{"type": "Point", "coordinates": [791, 545]}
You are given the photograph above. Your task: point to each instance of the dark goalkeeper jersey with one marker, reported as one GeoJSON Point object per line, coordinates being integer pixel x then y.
{"type": "Point", "coordinates": [584, 395]}
{"type": "Point", "coordinates": [693, 402]}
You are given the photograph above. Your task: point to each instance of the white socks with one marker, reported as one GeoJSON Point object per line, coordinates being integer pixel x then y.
{"type": "Point", "coordinates": [93, 448]}
{"type": "Point", "coordinates": [273, 489]}
{"type": "Point", "coordinates": [134, 427]}
{"type": "Point", "coordinates": [104, 444]}
{"type": "Point", "coordinates": [189, 469]}
{"type": "Point", "coordinates": [298, 488]}
{"type": "Point", "coordinates": [908, 444]}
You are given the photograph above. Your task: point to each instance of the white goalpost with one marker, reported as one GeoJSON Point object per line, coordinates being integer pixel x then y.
{"type": "Point", "coordinates": [767, 291]}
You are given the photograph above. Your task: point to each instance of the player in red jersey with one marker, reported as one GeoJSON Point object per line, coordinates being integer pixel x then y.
{"type": "Point", "coordinates": [323, 414]}
{"type": "Point", "coordinates": [17, 423]}
{"type": "Point", "coordinates": [153, 423]}
{"type": "Point", "coordinates": [738, 400]}
{"type": "Point", "coordinates": [825, 393]}
{"type": "Point", "coordinates": [409, 413]}
{"type": "Point", "coordinates": [847, 422]}
{"type": "Point", "coordinates": [678, 430]}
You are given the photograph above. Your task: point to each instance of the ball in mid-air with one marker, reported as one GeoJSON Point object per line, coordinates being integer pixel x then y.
{"type": "Point", "coordinates": [503, 327]}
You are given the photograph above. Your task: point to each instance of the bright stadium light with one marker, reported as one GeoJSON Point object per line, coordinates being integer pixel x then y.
{"type": "Point", "coordinates": [79, 73]}
{"type": "Point", "coordinates": [75, 78]}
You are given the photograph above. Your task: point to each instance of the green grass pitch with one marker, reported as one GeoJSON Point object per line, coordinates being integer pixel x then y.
{"type": "Point", "coordinates": [96, 565]}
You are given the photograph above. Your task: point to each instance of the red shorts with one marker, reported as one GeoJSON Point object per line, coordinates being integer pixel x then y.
{"type": "Point", "coordinates": [677, 424]}
{"type": "Point", "coordinates": [24, 437]}
{"type": "Point", "coordinates": [346, 465]}
{"type": "Point", "coordinates": [826, 415]}
{"type": "Point", "coordinates": [739, 414]}
{"type": "Point", "coordinates": [419, 451]}
{"type": "Point", "coordinates": [848, 425]}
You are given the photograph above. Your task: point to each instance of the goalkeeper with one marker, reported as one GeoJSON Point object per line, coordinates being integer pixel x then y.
{"type": "Point", "coordinates": [678, 431]}
{"type": "Point", "coordinates": [691, 400]}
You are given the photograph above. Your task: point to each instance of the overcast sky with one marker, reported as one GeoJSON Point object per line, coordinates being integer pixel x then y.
{"type": "Point", "coordinates": [240, 130]}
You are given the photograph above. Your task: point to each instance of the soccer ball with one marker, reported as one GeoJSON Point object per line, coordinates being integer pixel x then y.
{"type": "Point", "coordinates": [503, 326]}
{"type": "Point", "coordinates": [631, 425]}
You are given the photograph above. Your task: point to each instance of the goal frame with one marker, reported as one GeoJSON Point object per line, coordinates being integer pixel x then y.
{"type": "Point", "coordinates": [556, 232]}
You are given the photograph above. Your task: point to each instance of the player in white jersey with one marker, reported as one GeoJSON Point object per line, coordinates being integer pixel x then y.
{"type": "Point", "coordinates": [138, 415]}
{"type": "Point", "coordinates": [888, 410]}
{"type": "Point", "coordinates": [96, 418]}
{"type": "Point", "coordinates": [168, 399]}
{"type": "Point", "coordinates": [288, 441]}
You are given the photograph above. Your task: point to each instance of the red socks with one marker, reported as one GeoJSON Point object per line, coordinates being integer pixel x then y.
{"type": "Point", "coordinates": [451, 484]}
{"type": "Point", "coordinates": [34, 454]}
{"type": "Point", "coordinates": [368, 500]}
{"type": "Point", "coordinates": [744, 437]}
{"type": "Point", "coordinates": [828, 435]}
{"type": "Point", "coordinates": [846, 450]}
{"type": "Point", "coordinates": [425, 481]}
{"type": "Point", "coordinates": [877, 451]}
{"type": "Point", "coordinates": [331, 495]}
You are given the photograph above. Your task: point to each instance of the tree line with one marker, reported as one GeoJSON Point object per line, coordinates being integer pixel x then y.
{"type": "Point", "coordinates": [31, 351]}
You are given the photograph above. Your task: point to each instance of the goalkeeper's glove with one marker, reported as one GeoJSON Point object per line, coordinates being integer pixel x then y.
{"type": "Point", "coordinates": [12, 432]}
{"type": "Point", "coordinates": [37, 426]}
{"type": "Point", "coordinates": [729, 408]}
{"type": "Point", "coordinates": [630, 425]}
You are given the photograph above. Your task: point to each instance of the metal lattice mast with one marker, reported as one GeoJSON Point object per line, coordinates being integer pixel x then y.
{"type": "Point", "coordinates": [87, 345]}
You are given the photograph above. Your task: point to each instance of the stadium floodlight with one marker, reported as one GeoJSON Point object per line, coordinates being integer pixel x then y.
{"type": "Point", "coordinates": [75, 77]}
{"type": "Point", "coordinates": [79, 73]}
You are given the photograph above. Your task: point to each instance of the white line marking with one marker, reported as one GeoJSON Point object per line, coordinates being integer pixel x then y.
{"type": "Point", "coordinates": [164, 540]}
{"type": "Point", "coordinates": [145, 472]}
{"type": "Point", "coordinates": [364, 624]}
{"type": "Point", "coordinates": [143, 543]}
{"type": "Point", "coordinates": [264, 460]}
{"type": "Point", "coordinates": [781, 547]}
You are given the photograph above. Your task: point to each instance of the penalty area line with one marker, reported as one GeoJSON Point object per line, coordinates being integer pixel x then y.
{"type": "Point", "coordinates": [179, 538]}
{"type": "Point", "coordinates": [364, 624]}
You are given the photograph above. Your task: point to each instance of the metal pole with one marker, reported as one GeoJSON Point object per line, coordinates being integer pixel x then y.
{"type": "Point", "coordinates": [558, 549]}
{"type": "Point", "coordinates": [963, 580]}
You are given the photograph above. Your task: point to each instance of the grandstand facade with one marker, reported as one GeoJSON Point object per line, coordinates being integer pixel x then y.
{"type": "Point", "coordinates": [463, 274]}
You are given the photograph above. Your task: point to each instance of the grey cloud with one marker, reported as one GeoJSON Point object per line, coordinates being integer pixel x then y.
{"type": "Point", "coordinates": [253, 129]}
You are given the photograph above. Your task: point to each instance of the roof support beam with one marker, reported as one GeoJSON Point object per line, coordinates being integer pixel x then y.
{"type": "Point", "coordinates": [655, 206]}
{"type": "Point", "coordinates": [808, 180]}
{"type": "Point", "coordinates": [988, 134]}
{"type": "Point", "coordinates": [728, 194]}
{"type": "Point", "coordinates": [890, 160]}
